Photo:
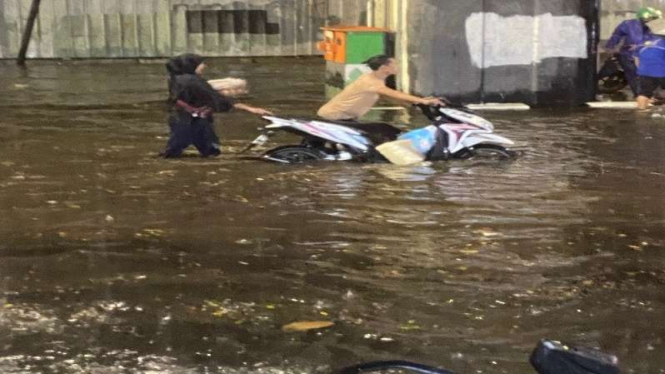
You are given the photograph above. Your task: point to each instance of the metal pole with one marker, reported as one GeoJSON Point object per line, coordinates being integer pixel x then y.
{"type": "Point", "coordinates": [27, 33]}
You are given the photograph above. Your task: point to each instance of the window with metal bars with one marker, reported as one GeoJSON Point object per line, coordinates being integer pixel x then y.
{"type": "Point", "coordinates": [230, 22]}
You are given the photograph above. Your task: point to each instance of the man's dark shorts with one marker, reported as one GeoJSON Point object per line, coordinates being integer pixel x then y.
{"type": "Point", "coordinates": [649, 85]}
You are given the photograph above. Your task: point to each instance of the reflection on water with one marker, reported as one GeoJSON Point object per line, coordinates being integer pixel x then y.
{"type": "Point", "coordinates": [113, 260]}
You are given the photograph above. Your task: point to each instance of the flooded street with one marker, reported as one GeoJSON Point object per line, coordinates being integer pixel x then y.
{"type": "Point", "coordinates": [113, 260]}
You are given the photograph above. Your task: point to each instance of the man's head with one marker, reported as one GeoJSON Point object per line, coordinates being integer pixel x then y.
{"type": "Point", "coordinates": [383, 63]}
{"type": "Point", "coordinates": [648, 14]}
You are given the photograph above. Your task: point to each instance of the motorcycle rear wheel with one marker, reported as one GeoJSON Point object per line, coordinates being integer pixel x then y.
{"type": "Point", "coordinates": [612, 83]}
{"type": "Point", "coordinates": [293, 154]}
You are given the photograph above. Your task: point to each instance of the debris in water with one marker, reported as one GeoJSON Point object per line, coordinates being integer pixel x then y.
{"type": "Point", "coordinates": [487, 232]}
{"type": "Point", "coordinates": [306, 326]}
{"type": "Point", "coordinates": [410, 326]}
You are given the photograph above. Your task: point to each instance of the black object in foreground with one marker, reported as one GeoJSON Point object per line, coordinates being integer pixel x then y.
{"type": "Point", "coordinates": [388, 365]}
{"type": "Point", "coordinates": [549, 357]}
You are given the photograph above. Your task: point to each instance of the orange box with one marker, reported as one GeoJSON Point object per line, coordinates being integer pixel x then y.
{"type": "Point", "coordinates": [334, 44]}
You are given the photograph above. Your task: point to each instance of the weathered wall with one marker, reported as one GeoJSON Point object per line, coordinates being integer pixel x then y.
{"type": "Point", "coordinates": [159, 28]}
{"type": "Point", "coordinates": [532, 51]}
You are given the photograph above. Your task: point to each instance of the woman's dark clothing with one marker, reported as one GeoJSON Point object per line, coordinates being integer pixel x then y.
{"type": "Point", "coordinates": [193, 101]}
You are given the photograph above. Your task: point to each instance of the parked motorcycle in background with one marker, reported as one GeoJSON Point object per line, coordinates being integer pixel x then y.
{"type": "Point", "coordinates": [611, 78]}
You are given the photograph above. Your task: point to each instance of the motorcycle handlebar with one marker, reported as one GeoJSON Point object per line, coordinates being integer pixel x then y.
{"type": "Point", "coordinates": [432, 112]}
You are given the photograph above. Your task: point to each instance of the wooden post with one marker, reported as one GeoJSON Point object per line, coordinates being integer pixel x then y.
{"type": "Point", "coordinates": [27, 33]}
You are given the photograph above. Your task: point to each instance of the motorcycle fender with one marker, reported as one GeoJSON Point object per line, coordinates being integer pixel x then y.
{"type": "Point", "coordinates": [486, 139]}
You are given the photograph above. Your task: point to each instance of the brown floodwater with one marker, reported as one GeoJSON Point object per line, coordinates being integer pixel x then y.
{"type": "Point", "coordinates": [113, 260]}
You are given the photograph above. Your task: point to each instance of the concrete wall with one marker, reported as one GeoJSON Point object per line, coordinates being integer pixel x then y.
{"type": "Point", "coordinates": [160, 28]}
{"type": "Point", "coordinates": [539, 52]}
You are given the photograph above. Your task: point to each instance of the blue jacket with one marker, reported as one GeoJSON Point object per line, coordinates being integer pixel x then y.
{"type": "Point", "coordinates": [652, 59]}
{"type": "Point", "coordinates": [633, 33]}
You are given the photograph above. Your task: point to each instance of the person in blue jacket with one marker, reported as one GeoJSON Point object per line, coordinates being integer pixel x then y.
{"type": "Point", "coordinates": [651, 66]}
{"type": "Point", "coordinates": [633, 33]}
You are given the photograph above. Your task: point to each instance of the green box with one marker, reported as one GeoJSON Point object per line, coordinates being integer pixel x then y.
{"type": "Point", "coordinates": [360, 46]}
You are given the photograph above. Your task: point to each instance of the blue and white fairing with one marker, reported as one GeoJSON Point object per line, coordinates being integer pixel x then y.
{"type": "Point", "coordinates": [466, 117]}
{"type": "Point", "coordinates": [327, 131]}
{"type": "Point", "coordinates": [472, 130]}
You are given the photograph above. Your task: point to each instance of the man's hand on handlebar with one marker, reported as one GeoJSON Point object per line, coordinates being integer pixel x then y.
{"type": "Point", "coordinates": [432, 101]}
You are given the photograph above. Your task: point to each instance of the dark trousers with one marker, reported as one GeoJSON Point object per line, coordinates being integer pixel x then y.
{"type": "Point", "coordinates": [191, 131]}
{"type": "Point", "coordinates": [630, 71]}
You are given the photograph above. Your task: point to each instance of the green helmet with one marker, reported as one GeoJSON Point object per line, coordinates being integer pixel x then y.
{"type": "Point", "coordinates": [648, 13]}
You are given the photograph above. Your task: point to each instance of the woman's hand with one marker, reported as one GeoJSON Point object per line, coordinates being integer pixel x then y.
{"type": "Point", "coordinates": [260, 111]}
{"type": "Point", "coordinates": [253, 110]}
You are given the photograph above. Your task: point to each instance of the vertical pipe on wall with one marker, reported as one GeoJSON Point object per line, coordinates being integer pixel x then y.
{"type": "Point", "coordinates": [402, 48]}
{"type": "Point", "coordinates": [482, 53]}
{"type": "Point", "coordinates": [594, 41]}
{"type": "Point", "coordinates": [27, 34]}
{"type": "Point", "coordinates": [370, 13]}
{"type": "Point", "coordinates": [536, 47]}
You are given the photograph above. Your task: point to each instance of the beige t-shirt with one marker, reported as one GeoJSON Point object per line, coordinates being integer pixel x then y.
{"type": "Point", "coordinates": [355, 100]}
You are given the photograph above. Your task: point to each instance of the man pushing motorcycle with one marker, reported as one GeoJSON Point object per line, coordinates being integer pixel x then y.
{"type": "Point", "coordinates": [633, 33]}
{"type": "Point", "coordinates": [361, 95]}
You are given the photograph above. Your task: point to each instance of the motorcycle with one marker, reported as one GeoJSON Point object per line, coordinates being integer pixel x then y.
{"type": "Point", "coordinates": [549, 357]}
{"type": "Point", "coordinates": [611, 77]}
{"type": "Point", "coordinates": [455, 133]}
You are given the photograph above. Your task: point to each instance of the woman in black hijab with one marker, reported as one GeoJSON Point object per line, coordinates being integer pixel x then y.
{"type": "Point", "coordinates": [193, 101]}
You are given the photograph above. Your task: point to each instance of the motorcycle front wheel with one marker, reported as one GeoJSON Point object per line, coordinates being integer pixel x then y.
{"type": "Point", "coordinates": [488, 151]}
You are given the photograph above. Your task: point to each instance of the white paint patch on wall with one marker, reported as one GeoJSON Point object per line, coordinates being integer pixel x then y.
{"type": "Point", "coordinates": [494, 40]}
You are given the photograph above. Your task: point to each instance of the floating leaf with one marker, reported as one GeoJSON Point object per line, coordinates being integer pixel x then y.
{"type": "Point", "coordinates": [307, 325]}
{"type": "Point", "coordinates": [220, 313]}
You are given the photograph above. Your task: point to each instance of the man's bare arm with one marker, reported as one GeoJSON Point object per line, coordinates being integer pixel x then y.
{"type": "Point", "coordinates": [397, 95]}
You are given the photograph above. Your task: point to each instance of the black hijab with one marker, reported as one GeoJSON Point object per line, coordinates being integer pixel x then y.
{"type": "Point", "coordinates": [184, 64]}
{"type": "Point", "coordinates": [186, 85]}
